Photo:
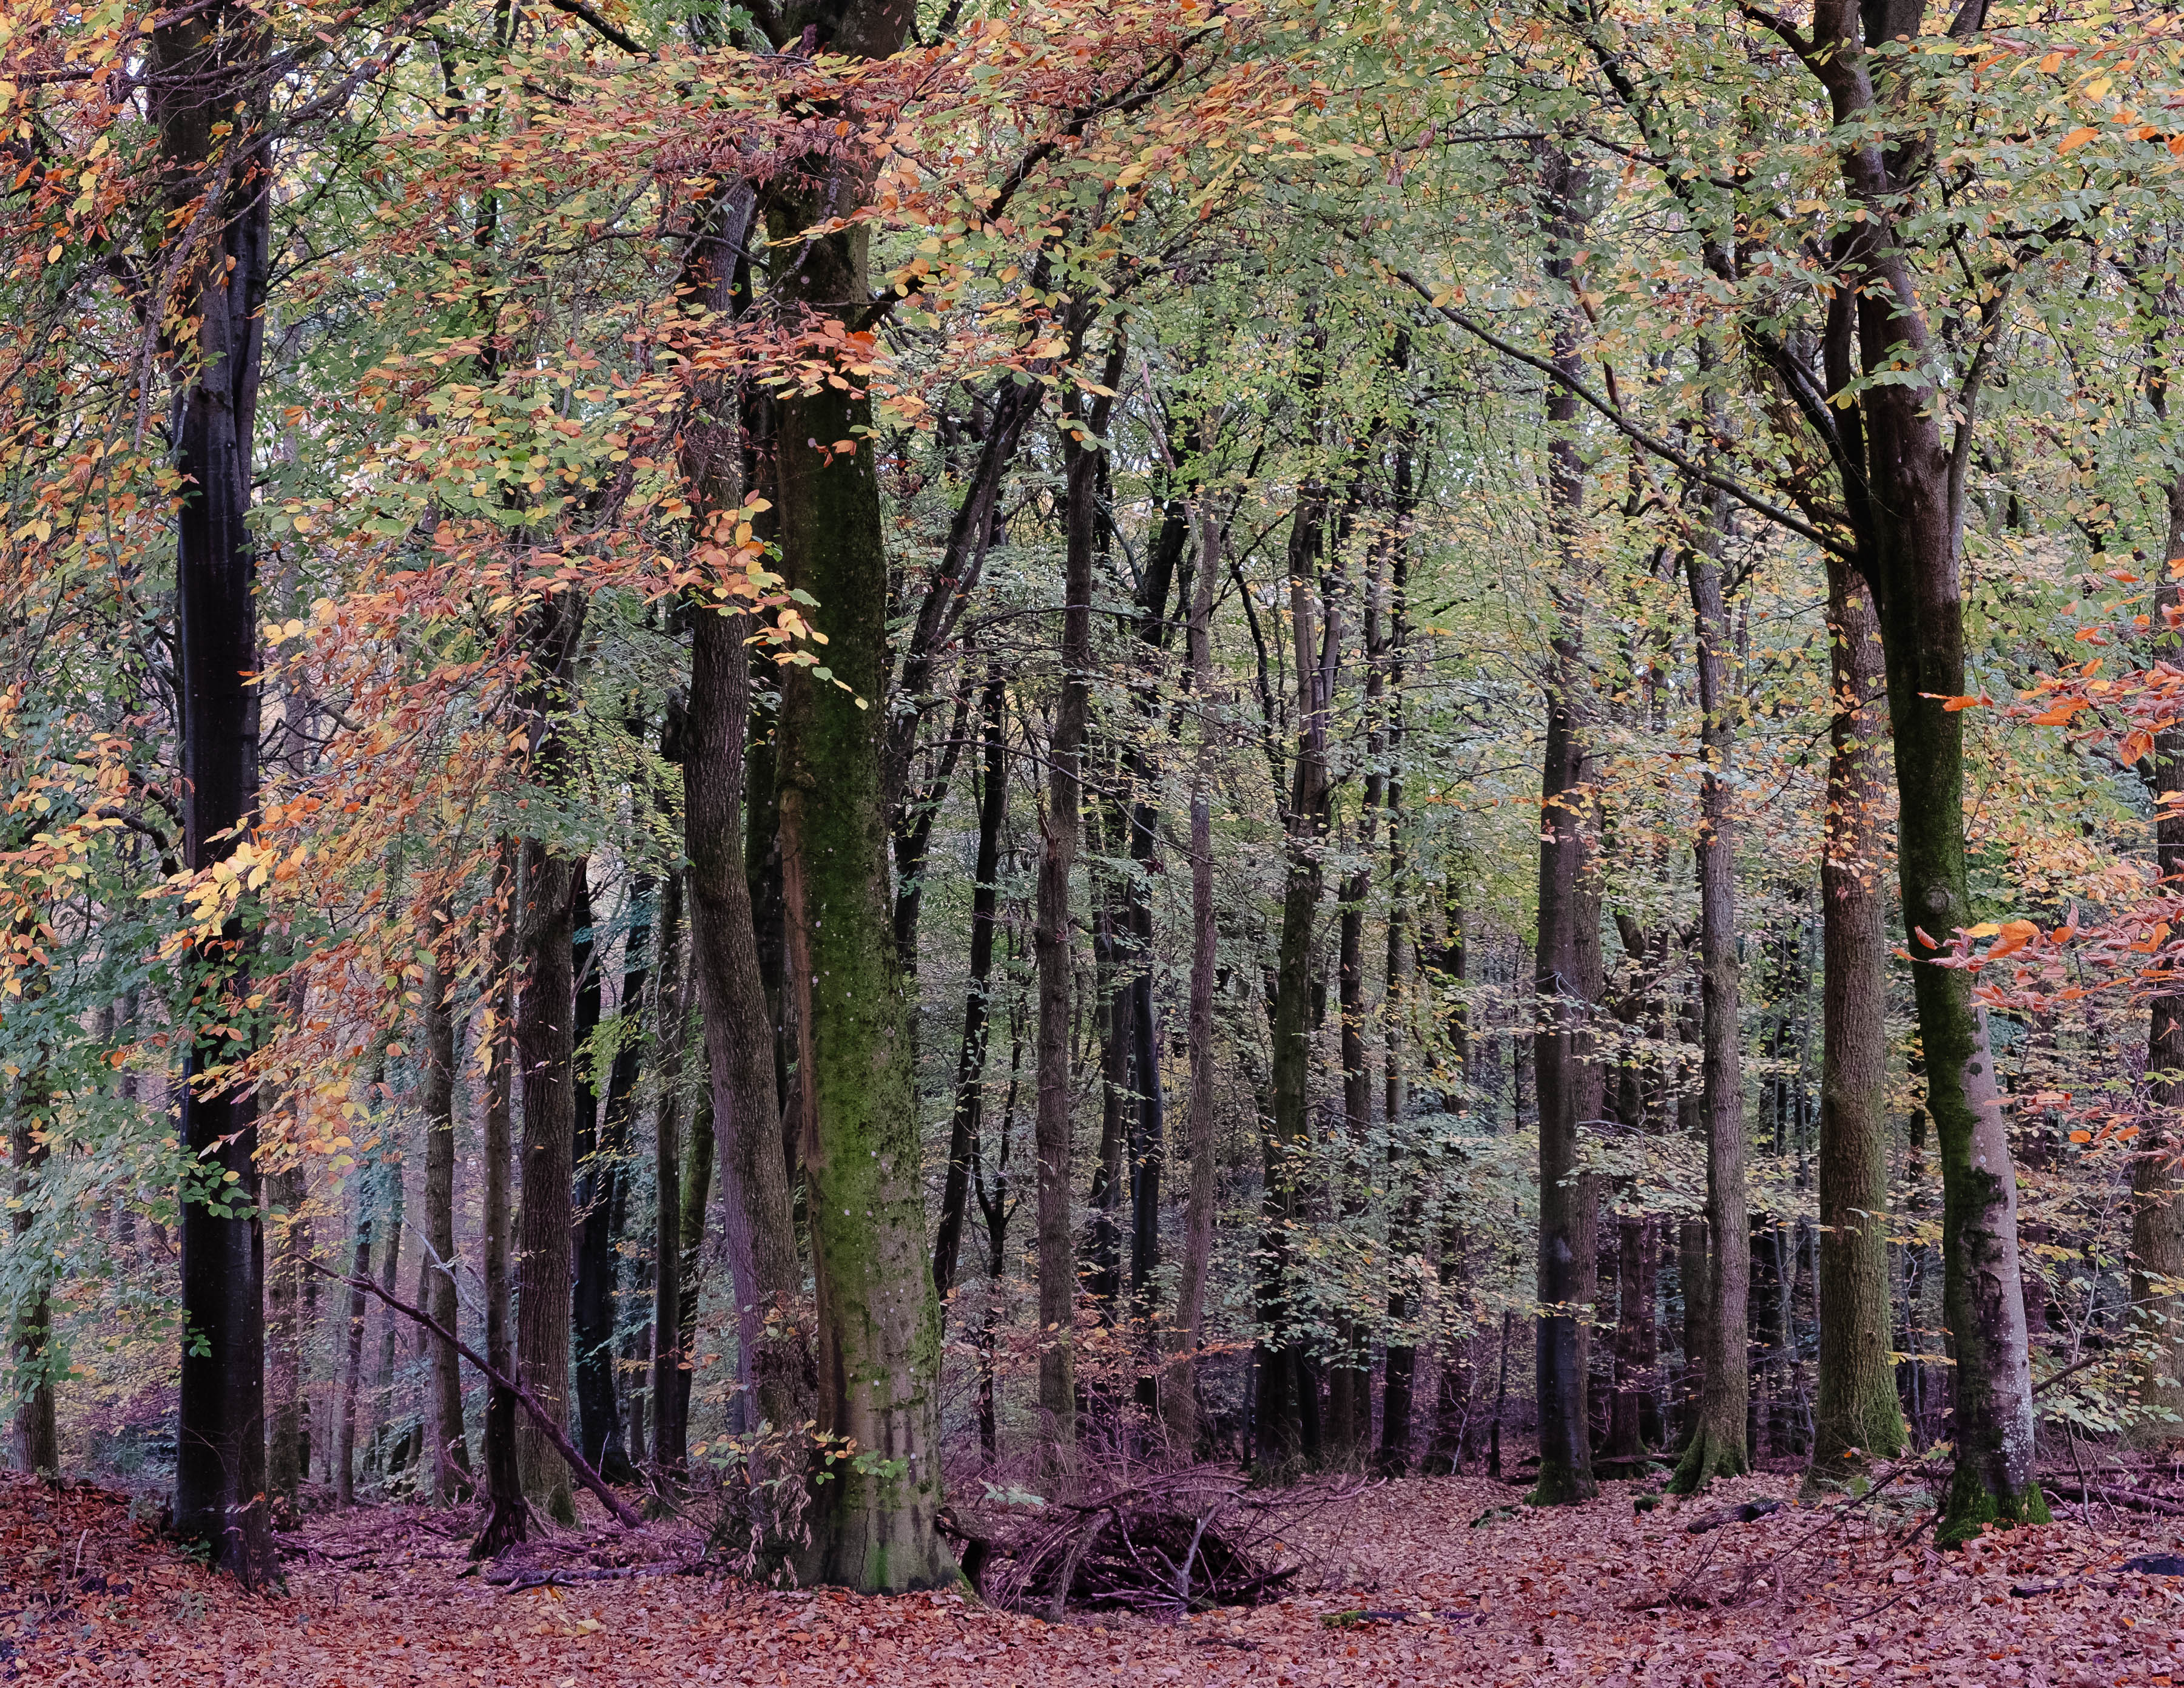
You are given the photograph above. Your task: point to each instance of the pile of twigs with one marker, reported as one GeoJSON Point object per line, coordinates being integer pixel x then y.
{"type": "Point", "coordinates": [1175, 1542]}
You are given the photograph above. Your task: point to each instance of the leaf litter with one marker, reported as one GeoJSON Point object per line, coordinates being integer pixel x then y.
{"type": "Point", "coordinates": [1397, 1586]}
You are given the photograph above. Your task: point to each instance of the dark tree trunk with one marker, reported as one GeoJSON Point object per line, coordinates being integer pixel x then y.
{"type": "Point", "coordinates": [545, 1029]}
{"type": "Point", "coordinates": [207, 103]}
{"type": "Point", "coordinates": [971, 1062]}
{"type": "Point", "coordinates": [1059, 828]}
{"type": "Point", "coordinates": [352, 1356]}
{"type": "Point", "coordinates": [600, 1204]}
{"type": "Point", "coordinates": [436, 1086]}
{"type": "Point", "coordinates": [1561, 1042]}
{"type": "Point", "coordinates": [507, 1518]}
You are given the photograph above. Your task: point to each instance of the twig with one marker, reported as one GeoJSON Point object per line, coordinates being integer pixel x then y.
{"type": "Point", "coordinates": [624, 1513]}
{"type": "Point", "coordinates": [517, 1581]}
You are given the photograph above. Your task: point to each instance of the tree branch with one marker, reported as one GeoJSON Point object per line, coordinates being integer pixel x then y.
{"type": "Point", "coordinates": [624, 1513]}
{"type": "Point", "coordinates": [1652, 442]}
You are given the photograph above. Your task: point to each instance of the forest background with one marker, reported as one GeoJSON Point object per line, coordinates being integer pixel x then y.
{"type": "Point", "coordinates": [660, 659]}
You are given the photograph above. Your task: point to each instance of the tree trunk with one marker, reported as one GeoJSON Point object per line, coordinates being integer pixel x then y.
{"type": "Point", "coordinates": [697, 1181]}
{"type": "Point", "coordinates": [1178, 1394]}
{"type": "Point", "coordinates": [208, 88]}
{"type": "Point", "coordinates": [1717, 1447]}
{"type": "Point", "coordinates": [1059, 827]}
{"type": "Point", "coordinates": [2157, 1211]}
{"type": "Point", "coordinates": [605, 1197]}
{"type": "Point", "coordinates": [390, 1331]}
{"type": "Point", "coordinates": [507, 1518]}
{"type": "Point", "coordinates": [1286, 1381]}
{"type": "Point", "coordinates": [1635, 1420]}
{"type": "Point", "coordinates": [352, 1358]}
{"type": "Point", "coordinates": [971, 1062]}
{"type": "Point", "coordinates": [287, 1439]}
{"type": "Point", "coordinates": [1692, 1272]}
{"type": "Point", "coordinates": [1857, 1404]}
{"type": "Point", "coordinates": [36, 1430]}
{"type": "Point", "coordinates": [671, 992]}
{"type": "Point", "coordinates": [545, 1028]}
{"type": "Point", "coordinates": [878, 1321]}
{"type": "Point", "coordinates": [1905, 501]}
{"type": "Point", "coordinates": [436, 1085]}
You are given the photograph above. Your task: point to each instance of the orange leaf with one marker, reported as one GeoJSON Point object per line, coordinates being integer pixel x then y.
{"type": "Point", "coordinates": [2081, 1137]}
{"type": "Point", "coordinates": [1952, 704]}
{"type": "Point", "coordinates": [2077, 138]}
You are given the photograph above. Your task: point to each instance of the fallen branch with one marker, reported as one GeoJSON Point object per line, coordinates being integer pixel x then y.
{"type": "Point", "coordinates": [624, 1513]}
{"type": "Point", "coordinates": [2136, 1499]}
{"type": "Point", "coordinates": [515, 1582]}
{"type": "Point", "coordinates": [1743, 1514]}
{"type": "Point", "coordinates": [2149, 1564]}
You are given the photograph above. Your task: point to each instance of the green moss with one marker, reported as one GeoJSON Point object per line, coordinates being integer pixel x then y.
{"type": "Point", "coordinates": [1972, 1507]}
{"type": "Point", "coordinates": [1560, 1486]}
{"type": "Point", "coordinates": [1708, 1458]}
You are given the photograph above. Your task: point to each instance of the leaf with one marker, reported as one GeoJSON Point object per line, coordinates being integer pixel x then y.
{"type": "Point", "coordinates": [2077, 138]}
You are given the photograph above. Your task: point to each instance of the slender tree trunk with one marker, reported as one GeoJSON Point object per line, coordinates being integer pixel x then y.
{"type": "Point", "coordinates": [208, 105]}
{"type": "Point", "coordinates": [1286, 1381]}
{"type": "Point", "coordinates": [971, 1060]}
{"type": "Point", "coordinates": [671, 991]}
{"type": "Point", "coordinates": [698, 1159]}
{"type": "Point", "coordinates": [2157, 1212]}
{"type": "Point", "coordinates": [451, 1459]}
{"type": "Point", "coordinates": [1858, 1406]}
{"type": "Point", "coordinates": [37, 1430]}
{"type": "Point", "coordinates": [602, 1205]}
{"type": "Point", "coordinates": [287, 1450]}
{"type": "Point", "coordinates": [1059, 827]}
{"type": "Point", "coordinates": [1406, 1237]}
{"type": "Point", "coordinates": [996, 1207]}
{"type": "Point", "coordinates": [772, 1355]}
{"type": "Point", "coordinates": [390, 1331]}
{"type": "Point", "coordinates": [1561, 1042]}
{"type": "Point", "coordinates": [352, 1374]}
{"type": "Point", "coordinates": [507, 1519]}
{"type": "Point", "coordinates": [1717, 1447]}
{"type": "Point", "coordinates": [1179, 1392]}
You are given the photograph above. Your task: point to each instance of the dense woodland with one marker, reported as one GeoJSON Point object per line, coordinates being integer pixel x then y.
{"type": "Point", "coordinates": [824, 763]}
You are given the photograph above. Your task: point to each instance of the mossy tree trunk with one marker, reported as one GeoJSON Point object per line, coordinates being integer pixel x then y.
{"type": "Point", "coordinates": [879, 1320]}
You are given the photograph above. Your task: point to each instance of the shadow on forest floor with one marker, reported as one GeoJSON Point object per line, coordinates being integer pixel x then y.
{"type": "Point", "coordinates": [1401, 1587]}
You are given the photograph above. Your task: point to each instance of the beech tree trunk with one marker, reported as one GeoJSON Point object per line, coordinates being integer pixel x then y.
{"type": "Point", "coordinates": [1858, 1406]}
{"type": "Point", "coordinates": [287, 1439]}
{"type": "Point", "coordinates": [1179, 1391]}
{"type": "Point", "coordinates": [971, 1060]}
{"type": "Point", "coordinates": [37, 1446]}
{"type": "Point", "coordinates": [207, 101]}
{"type": "Point", "coordinates": [545, 1035]}
{"type": "Point", "coordinates": [1052, 1130]}
{"type": "Point", "coordinates": [671, 991]}
{"type": "Point", "coordinates": [1904, 496]}
{"type": "Point", "coordinates": [1287, 1404]}
{"type": "Point", "coordinates": [878, 1321]}
{"type": "Point", "coordinates": [507, 1517]}
{"type": "Point", "coordinates": [2157, 1212]}
{"type": "Point", "coordinates": [1717, 1447]}
{"type": "Point", "coordinates": [436, 1085]}
{"type": "Point", "coordinates": [1561, 1039]}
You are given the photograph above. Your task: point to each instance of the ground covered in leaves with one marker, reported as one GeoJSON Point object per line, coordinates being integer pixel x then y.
{"type": "Point", "coordinates": [1419, 1582]}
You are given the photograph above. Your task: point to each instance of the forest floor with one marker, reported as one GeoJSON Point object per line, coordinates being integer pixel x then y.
{"type": "Point", "coordinates": [1400, 1587]}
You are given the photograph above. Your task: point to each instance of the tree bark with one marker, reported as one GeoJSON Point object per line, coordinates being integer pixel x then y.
{"type": "Point", "coordinates": [968, 1116]}
{"type": "Point", "coordinates": [878, 1321]}
{"type": "Point", "coordinates": [545, 1029]}
{"type": "Point", "coordinates": [207, 102]}
{"type": "Point", "coordinates": [1904, 492]}
{"type": "Point", "coordinates": [37, 1430]}
{"type": "Point", "coordinates": [604, 1198]}
{"type": "Point", "coordinates": [451, 1459]}
{"type": "Point", "coordinates": [288, 1434]}
{"type": "Point", "coordinates": [1561, 1041]}
{"type": "Point", "coordinates": [1059, 827]}
{"type": "Point", "coordinates": [352, 1355]}
{"type": "Point", "coordinates": [1179, 1393]}
{"type": "Point", "coordinates": [1717, 1447]}
{"type": "Point", "coordinates": [671, 991]}
{"type": "Point", "coordinates": [1858, 1406]}
{"type": "Point", "coordinates": [507, 1517]}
